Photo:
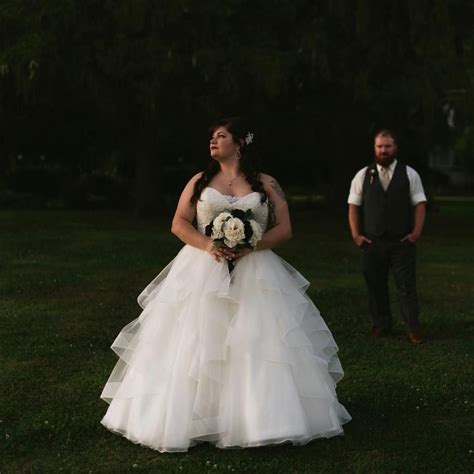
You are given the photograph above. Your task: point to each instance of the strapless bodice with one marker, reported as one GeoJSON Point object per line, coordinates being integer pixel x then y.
{"type": "Point", "coordinates": [212, 202]}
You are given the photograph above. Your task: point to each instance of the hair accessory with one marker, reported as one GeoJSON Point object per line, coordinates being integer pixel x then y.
{"type": "Point", "coordinates": [249, 138]}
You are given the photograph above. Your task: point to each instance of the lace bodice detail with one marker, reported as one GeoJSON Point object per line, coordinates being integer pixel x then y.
{"type": "Point", "coordinates": [212, 202]}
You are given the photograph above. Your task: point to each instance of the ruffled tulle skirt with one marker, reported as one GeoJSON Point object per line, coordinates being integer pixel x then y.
{"type": "Point", "coordinates": [240, 359]}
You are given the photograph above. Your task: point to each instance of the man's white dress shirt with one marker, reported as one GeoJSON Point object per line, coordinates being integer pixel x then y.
{"type": "Point", "coordinates": [417, 193]}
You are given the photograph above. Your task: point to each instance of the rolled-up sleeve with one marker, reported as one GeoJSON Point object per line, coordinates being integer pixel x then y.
{"type": "Point", "coordinates": [417, 193]}
{"type": "Point", "coordinates": [357, 184]}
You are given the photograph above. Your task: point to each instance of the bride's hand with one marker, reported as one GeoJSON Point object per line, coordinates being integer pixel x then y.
{"type": "Point", "coordinates": [219, 252]}
{"type": "Point", "coordinates": [238, 254]}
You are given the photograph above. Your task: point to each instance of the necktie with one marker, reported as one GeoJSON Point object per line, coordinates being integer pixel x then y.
{"type": "Point", "coordinates": [384, 178]}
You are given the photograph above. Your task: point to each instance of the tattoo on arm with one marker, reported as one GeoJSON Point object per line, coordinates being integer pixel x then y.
{"type": "Point", "coordinates": [271, 215]}
{"type": "Point", "coordinates": [277, 188]}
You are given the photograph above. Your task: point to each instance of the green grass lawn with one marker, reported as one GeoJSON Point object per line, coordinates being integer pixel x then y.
{"type": "Point", "coordinates": [68, 284]}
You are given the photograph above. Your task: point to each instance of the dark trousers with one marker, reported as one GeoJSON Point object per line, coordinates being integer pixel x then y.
{"type": "Point", "coordinates": [378, 258]}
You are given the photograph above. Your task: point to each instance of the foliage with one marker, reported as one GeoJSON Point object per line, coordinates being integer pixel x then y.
{"type": "Point", "coordinates": [139, 80]}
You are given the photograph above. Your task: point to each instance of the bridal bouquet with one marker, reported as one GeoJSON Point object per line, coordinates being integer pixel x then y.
{"type": "Point", "coordinates": [235, 229]}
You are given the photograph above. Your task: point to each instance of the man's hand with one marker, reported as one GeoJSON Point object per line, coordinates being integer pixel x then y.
{"type": "Point", "coordinates": [412, 237]}
{"type": "Point", "coordinates": [360, 239]}
{"type": "Point", "coordinates": [415, 234]}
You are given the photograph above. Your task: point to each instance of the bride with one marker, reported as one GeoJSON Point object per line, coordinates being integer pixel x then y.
{"type": "Point", "coordinates": [235, 357]}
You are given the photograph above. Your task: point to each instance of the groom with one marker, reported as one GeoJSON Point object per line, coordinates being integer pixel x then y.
{"type": "Point", "coordinates": [386, 216]}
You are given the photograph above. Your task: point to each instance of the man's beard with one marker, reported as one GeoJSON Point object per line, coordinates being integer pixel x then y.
{"type": "Point", "coordinates": [385, 160]}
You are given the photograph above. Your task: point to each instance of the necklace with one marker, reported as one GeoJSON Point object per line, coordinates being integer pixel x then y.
{"type": "Point", "coordinates": [230, 181]}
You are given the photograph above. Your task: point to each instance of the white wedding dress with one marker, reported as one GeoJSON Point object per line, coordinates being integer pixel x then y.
{"type": "Point", "coordinates": [240, 359]}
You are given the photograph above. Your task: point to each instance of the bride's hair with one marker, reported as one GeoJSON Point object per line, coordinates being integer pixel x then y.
{"type": "Point", "coordinates": [245, 138]}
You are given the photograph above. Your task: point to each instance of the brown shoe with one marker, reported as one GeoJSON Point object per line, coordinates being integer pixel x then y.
{"type": "Point", "coordinates": [415, 338]}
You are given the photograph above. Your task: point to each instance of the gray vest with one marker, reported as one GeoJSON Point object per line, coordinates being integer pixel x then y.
{"type": "Point", "coordinates": [386, 213]}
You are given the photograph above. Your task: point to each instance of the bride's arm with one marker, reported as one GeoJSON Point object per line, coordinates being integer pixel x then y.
{"type": "Point", "coordinates": [182, 224]}
{"type": "Point", "coordinates": [278, 206]}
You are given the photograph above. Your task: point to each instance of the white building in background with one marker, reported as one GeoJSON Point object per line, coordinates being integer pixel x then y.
{"type": "Point", "coordinates": [444, 160]}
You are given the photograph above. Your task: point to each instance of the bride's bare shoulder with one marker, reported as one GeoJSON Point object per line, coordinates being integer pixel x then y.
{"type": "Point", "coordinates": [268, 181]}
{"type": "Point", "coordinates": [197, 176]}
{"type": "Point", "coordinates": [194, 179]}
{"type": "Point", "coordinates": [266, 178]}
{"type": "Point", "coordinates": [271, 186]}
{"type": "Point", "coordinates": [189, 188]}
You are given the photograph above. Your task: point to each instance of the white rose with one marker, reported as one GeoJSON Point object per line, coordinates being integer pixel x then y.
{"type": "Point", "coordinates": [234, 231]}
{"type": "Point", "coordinates": [216, 234]}
{"type": "Point", "coordinates": [218, 223]}
{"type": "Point", "coordinates": [257, 232]}
{"type": "Point", "coordinates": [230, 243]}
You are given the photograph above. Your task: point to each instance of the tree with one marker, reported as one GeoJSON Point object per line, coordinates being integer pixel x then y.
{"type": "Point", "coordinates": [135, 80]}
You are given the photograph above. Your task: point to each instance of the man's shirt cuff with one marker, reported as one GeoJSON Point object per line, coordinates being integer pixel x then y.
{"type": "Point", "coordinates": [417, 198]}
{"type": "Point", "coordinates": [354, 199]}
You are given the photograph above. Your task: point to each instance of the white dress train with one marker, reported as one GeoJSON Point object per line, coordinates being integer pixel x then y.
{"type": "Point", "coordinates": [237, 359]}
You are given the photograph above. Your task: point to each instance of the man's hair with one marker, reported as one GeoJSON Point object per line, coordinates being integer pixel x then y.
{"type": "Point", "coordinates": [387, 132]}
